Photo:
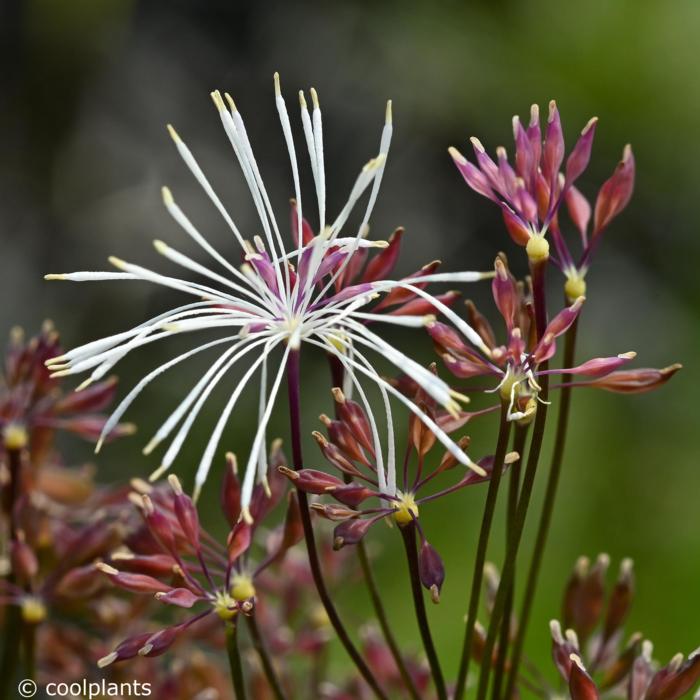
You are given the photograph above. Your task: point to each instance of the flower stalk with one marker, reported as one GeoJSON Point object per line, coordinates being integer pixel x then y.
{"type": "Point", "coordinates": [294, 396]}
{"type": "Point", "coordinates": [482, 546]}
{"type": "Point", "coordinates": [234, 660]}
{"type": "Point", "coordinates": [265, 660]}
{"type": "Point", "coordinates": [547, 508]}
{"type": "Point", "coordinates": [408, 533]}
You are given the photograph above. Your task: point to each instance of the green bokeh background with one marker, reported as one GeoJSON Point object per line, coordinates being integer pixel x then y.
{"type": "Point", "coordinates": [90, 84]}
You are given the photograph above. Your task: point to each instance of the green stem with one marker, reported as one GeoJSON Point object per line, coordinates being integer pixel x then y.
{"type": "Point", "coordinates": [234, 660]}
{"type": "Point", "coordinates": [513, 491]}
{"type": "Point", "coordinates": [384, 622]}
{"type": "Point", "coordinates": [538, 271]}
{"type": "Point", "coordinates": [547, 507]}
{"type": "Point", "coordinates": [478, 575]}
{"type": "Point", "coordinates": [408, 533]}
{"type": "Point", "coordinates": [265, 660]}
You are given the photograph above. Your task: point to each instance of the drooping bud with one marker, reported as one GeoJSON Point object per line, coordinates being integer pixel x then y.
{"type": "Point", "coordinates": [431, 570]}
{"type": "Point", "coordinates": [351, 532]}
{"type": "Point", "coordinates": [333, 511]}
{"type": "Point", "coordinates": [581, 685]}
{"type": "Point", "coordinates": [128, 649]}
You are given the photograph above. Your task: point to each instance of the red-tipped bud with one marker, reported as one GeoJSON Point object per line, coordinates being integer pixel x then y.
{"type": "Point", "coordinates": [620, 600]}
{"type": "Point", "coordinates": [422, 437]}
{"type": "Point", "coordinates": [382, 264]}
{"type": "Point", "coordinates": [335, 456]}
{"type": "Point", "coordinates": [615, 193]}
{"type": "Point", "coordinates": [311, 480]}
{"type": "Point", "coordinates": [516, 228]}
{"type": "Point", "coordinates": [562, 649]}
{"type": "Point", "coordinates": [339, 434]}
{"type": "Point", "coordinates": [578, 159]}
{"type": "Point", "coordinates": [152, 564]}
{"type": "Point", "coordinates": [160, 642]}
{"type": "Point", "coordinates": [591, 598]}
{"type": "Point", "coordinates": [581, 685]}
{"type": "Point", "coordinates": [472, 175]}
{"type": "Point", "coordinates": [181, 597]}
{"type": "Point", "coordinates": [553, 154]}
{"type": "Point", "coordinates": [431, 570]}
{"type": "Point", "coordinates": [480, 324]}
{"type": "Point", "coordinates": [159, 526]}
{"type": "Point", "coordinates": [355, 417]}
{"type": "Point", "coordinates": [351, 532]}
{"type": "Point", "coordinates": [579, 210]}
{"type": "Point", "coordinates": [333, 511]}
{"type": "Point", "coordinates": [185, 512]}
{"type": "Point", "coordinates": [636, 381]}
{"type": "Point", "coordinates": [351, 495]}
{"type": "Point", "coordinates": [136, 583]}
{"type": "Point", "coordinates": [239, 540]}
{"type": "Point", "coordinates": [128, 649]}
{"type": "Point", "coordinates": [505, 293]}
{"type": "Point", "coordinates": [675, 679]}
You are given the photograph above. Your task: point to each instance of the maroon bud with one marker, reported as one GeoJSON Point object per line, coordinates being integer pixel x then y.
{"type": "Point", "coordinates": [517, 229]}
{"type": "Point", "coordinates": [578, 159]}
{"type": "Point", "coordinates": [159, 526]}
{"type": "Point", "coordinates": [579, 210]}
{"type": "Point", "coordinates": [423, 307]}
{"type": "Point", "coordinates": [181, 597]}
{"type": "Point", "coordinates": [334, 512]}
{"type": "Point", "coordinates": [351, 531]}
{"type": "Point", "coordinates": [161, 641]}
{"type": "Point", "coordinates": [311, 480]}
{"type": "Point", "coordinates": [581, 685]}
{"type": "Point", "coordinates": [505, 293]}
{"type": "Point", "coordinates": [553, 154]}
{"type": "Point", "coordinates": [339, 434]}
{"type": "Point", "coordinates": [641, 675]}
{"type": "Point", "coordinates": [622, 665]}
{"type": "Point", "coordinates": [333, 454]}
{"type": "Point", "coordinates": [354, 416]}
{"type": "Point", "coordinates": [431, 570]}
{"type": "Point", "coordinates": [472, 175]}
{"type": "Point", "coordinates": [136, 583]}
{"type": "Point", "coordinates": [128, 649]}
{"type": "Point", "coordinates": [675, 679]}
{"type": "Point", "coordinates": [400, 295]}
{"type": "Point", "coordinates": [615, 193]}
{"type": "Point", "coordinates": [186, 513]}
{"type": "Point", "coordinates": [152, 564]}
{"type": "Point", "coordinates": [591, 598]}
{"type": "Point", "coordinates": [239, 540]}
{"type": "Point", "coordinates": [563, 648]}
{"type": "Point", "coordinates": [293, 531]}
{"type": "Point", "coordinates": [382, 264]}
{"type": "Point", "coordinates": [572, 592]}
{"type": "Point", "coordinates": [636, 381]}
{"type": "Point", "coordinates": [620, 600]}
{"type": "Point", "coordinates": [81, 582]}
{"type": "Point", "coordinates": [351, 494]}
{"type": "Point", "coordinates": [480, 324]}
{"type": "Point", "coordinates": [422, 437]}
{"type": "Point", "coordinates": [231, 491]}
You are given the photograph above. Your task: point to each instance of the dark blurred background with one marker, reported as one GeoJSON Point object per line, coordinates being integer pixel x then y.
{"type": "Point", "coordinates": [89, 85]}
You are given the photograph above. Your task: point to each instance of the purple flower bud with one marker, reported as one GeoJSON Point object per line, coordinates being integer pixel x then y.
{"type": "Point", "coordinates": [351, 531]}
{"type": "Point", "coordinates": [505, 293]}
{"type": "Point", "coordinates": [334, 512]}
{"type": "Point", "coordinates": [231, 491]}
{"type": "Point", "coordinates": [620, 600]}
{"type": "Point", "coordinates": [239, 540]}
{"type": "Point", "coordinates": [128, 649]}
{"type": "Point", "coordinates": [615, 193]}
{"type": "Point", "coordinates": [354, 416]}
{"type": "Point", "coordinates": [351, 494]}
{"type": "Point", "coordinates": [553, 154]}
{"type": "Point", "coordinates": [636, 381]}
{"type": "Point", "coordinates": [136, 583]}
{"type": "Point", "coordinates": [675, 679]}
{"type": "Point", "coordinates": [186, 513]}
{"type": "Point", "coordinates": [181, 597]}
{"type": "Point", "coordinates": [578, 159]}
{"type": "Point", "coordinates": [581, 685]}
{"type": "Point", "coordinates": [641, 675]}
{"type": "Point", "coordinates": [382, 264]}
{"type": "Point", "coordinates": [431, 570]}
{"type": "Point", "coordinates": [472, 175]}
{"type": "Point", "coordinates": [579, 211]}
{"type": "Point", "coordinates": [311, 480]}
{"type": "Point", "coordinates": [562, 649]}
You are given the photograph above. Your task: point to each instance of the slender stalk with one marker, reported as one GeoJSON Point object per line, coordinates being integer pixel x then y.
{"type": "Point", "coordinates": [29, 644]}
{"type": "Point", "coordinates": [482, 546]}
{"type": "Point", "coordinates": [538, 271]}
{"type": "Point", "coordinates": [234, 660]}
{"type": "Point", "coordinates": [337, 376]}
{"type": "Point", "coordinates": [547, 507]}
{"type": "Point", "coordinates": [294, 391]}
{"type": "Point", "coordinates": [265, 660]}
{"type": "Point", "coordinates": [513, 490]}
{"type": "Point", "coordinates": [408, 532]}
{"type": "Point", "coordinates": [384, 622]}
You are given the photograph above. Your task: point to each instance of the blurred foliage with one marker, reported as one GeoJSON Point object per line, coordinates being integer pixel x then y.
{"type": "Point", "coordinates": [89, 85]}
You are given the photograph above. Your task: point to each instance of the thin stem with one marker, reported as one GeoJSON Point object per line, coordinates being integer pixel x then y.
{"type": "Point", "coordinates": [265, 660]}
{"type": "Point", "coordinates": [547, 507]}
{"type": "Point", "coordinates": [513, 490]}
{"type": "Point", "coordinates": [380, 612]}
{"type": "Point", "coordinates": [234, 660]}
{"type": "Point", "coordinates": [29, 644]}
{"type": "Point", "coordinates": [538, 271]}
{"type": "Point", "coordinates": [478, 575]}
{"type": "Point", "coordinates": [294, 391]}
{"type": "Point", "coordinates": [337, 377]}
{"type": "Point", "coordinates": [408, 532]}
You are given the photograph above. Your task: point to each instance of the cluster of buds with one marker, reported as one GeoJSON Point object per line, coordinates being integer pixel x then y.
{"type": "Point", "coordinates": [181, 565]}
{"type": "Point", "coordinates": [532, 191]}
{"type": "Point", "coordinates": [349, 447]}
{"type": "Point", "coordinates": [517, 364]}
{"type": "Point", "coordinates": [591, 656]}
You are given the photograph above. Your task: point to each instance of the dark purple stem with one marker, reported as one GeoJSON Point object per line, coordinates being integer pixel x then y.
{"type": "Point", "coordinates": [294, 393]}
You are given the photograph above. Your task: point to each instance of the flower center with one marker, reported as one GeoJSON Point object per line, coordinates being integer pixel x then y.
{"type": "Point", "coordinates": [15, 436]}
{"type": "Point", "coordinates": [537, 248]}
{"type": "Point", "coordinates": [242, 587]}
{"type": "Point", "coordinates": [405, 508]}
{"type": "Point", "coordinates": [33, 610]}
{"type": "Point", "coordinates": [225, 606]}
{"type": "Point", "coordinates": [575, 285]}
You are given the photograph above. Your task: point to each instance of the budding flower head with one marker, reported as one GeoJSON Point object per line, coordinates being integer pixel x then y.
{"type": "Point", "coordinates": [33, 610]}
{"type": "Point", "coordinates": [405, 508]}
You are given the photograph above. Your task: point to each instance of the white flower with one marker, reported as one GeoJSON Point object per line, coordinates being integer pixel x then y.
{"type": "Point", "coordinates": [277, 298]}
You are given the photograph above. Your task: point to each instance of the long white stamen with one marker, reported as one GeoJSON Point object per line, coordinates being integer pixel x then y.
{"type": "Point", "coordinates": [320, 167]}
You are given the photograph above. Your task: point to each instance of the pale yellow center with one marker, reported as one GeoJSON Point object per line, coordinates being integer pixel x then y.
{"type": "Point", "coordinates": [575, 287]}
{"type": "Point", "coordinates": [15, 437]}
{"type": "Point", "coordinates": [225, 606]}
{"type": "Point", "coordinates": [33, 611]}
{"type": "Point", "coordinates": [242, 587]}
{"type": "Point", "coordinates": [405, 509]}
{"type": "Point", "coordinates": [537, 248]}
